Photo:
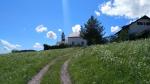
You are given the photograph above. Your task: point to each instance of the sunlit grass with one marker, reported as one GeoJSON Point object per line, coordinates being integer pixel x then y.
{"type": "Point", "coordinates": [53, 75]}
{"type": "Point", "coordinates": [116, 63]}
{"type": "Point", "coordinates": [19, 68]}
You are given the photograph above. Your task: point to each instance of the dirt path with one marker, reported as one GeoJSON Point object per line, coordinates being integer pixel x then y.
{"type": "Point", "coordinates": [37, 78]}
{"type": "Point", "coordinates": [65, 78]}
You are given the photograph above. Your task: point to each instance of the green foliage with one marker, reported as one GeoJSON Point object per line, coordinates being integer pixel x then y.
{"type": "Point", "coordinates": [92, 31]}
{"type": "Point", "coordinates": [19, 51]}
{"type": "Point", "coordinates": [46, 47]}
{"type": "Point", "coordinates": [62, 45]}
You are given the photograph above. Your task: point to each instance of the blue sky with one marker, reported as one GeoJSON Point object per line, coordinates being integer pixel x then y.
{"type": "Point", "coordinates": [20, 18]}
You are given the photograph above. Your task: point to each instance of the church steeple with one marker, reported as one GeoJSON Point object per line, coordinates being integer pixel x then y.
{"type": "Point", "coordinates": [63, 37]}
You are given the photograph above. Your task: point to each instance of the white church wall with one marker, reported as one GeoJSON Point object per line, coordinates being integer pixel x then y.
{"type": "Point", "coordinates": [76, 41]}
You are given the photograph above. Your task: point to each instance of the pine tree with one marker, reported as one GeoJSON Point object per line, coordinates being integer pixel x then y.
{"type": "Point", "coordinates": [92, 31]}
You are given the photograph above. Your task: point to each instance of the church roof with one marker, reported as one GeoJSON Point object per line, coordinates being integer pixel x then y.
{"type": "Point", "coordinates": [74, 34]}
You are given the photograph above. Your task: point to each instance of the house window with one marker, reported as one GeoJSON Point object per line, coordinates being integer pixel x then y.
{"type": "Point", "coordinates": [139, 23]}
{"type": "Point", "coordinates": [72, 43]}
{"type": "Point", "coordinates": [143, 23]}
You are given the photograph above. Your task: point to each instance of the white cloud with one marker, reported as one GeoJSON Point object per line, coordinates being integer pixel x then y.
{"type": "Point", "coordinates": [41, 28]}
{"type": "Point", "coordinates": [97, 13]}
{"type": "Point", "coordinates": [60, 30]}
{"type": "Point", "coordinates": [38, 46]}
{"type": "Point", "coordinates": [127, 8]}
{"type": "Point", "coordinates": [8, 46]}
{"type": "Point", "coordinates": [76, 28]}
{"type": "Point", "coordinates": [51, 35]}
{"type": "Point", "coordinates": [3, 50]}
{"type": "Point", "coordinates": [115, 29]}
{"type": "Point", "coordinates": [18, 45]}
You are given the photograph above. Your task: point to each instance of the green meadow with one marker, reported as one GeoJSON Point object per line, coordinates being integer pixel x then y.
{"type": "Point", "coordinates": [115, 63]}
{"type": "Point", "coordinates": [19, 68]}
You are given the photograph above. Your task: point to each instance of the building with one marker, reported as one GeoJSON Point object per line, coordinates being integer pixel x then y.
{"type": "Point", "coordinates": [74, 39]}
{"type": "Point", "coordinates": [136, 28]}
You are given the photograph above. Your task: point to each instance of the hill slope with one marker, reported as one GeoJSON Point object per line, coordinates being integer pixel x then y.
{"type": "Point", "coordinates": [19, 68]}
{"type": "Point", "coordinates": [115, 63]}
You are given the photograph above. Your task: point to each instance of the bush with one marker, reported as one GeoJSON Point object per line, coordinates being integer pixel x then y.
{"type": "Point", "coordinates": [19, 51]}
{"type": "Point", "coordinates": [48, 47]}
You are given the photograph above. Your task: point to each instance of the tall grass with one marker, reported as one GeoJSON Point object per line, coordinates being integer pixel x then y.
{"type": "Point", "coordinates": [53, 75]}
{"type": "Point", "coordinates": [19, 68]}
{"type": "Point", "coordinates": [116, 63]}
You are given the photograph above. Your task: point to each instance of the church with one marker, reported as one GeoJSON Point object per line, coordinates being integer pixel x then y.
{"type": "Point", "coordinates": [74, 39]}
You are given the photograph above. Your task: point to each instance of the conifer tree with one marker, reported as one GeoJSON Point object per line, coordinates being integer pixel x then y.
{"type": "Point", "coordinates": [92, 31]}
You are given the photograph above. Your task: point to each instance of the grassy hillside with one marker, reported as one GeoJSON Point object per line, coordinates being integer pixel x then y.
{"type": "Point", "coordinates": [19, 68]}
{"type": "Point", "coordinates": [53, 75]}
{"type": "Point", "coordinates": [116, 63]}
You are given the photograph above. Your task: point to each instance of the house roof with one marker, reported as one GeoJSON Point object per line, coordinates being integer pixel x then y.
{"type": "Point", "coordinates": [127, 26]}
{"type": "Point", "coordinates": [145, 17]}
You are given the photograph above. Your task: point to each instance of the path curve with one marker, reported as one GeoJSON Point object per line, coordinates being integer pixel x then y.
{"type": "Point", "coordinates": [65, 78]}
{"type": "Point", "coordinates": [37, 78]}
